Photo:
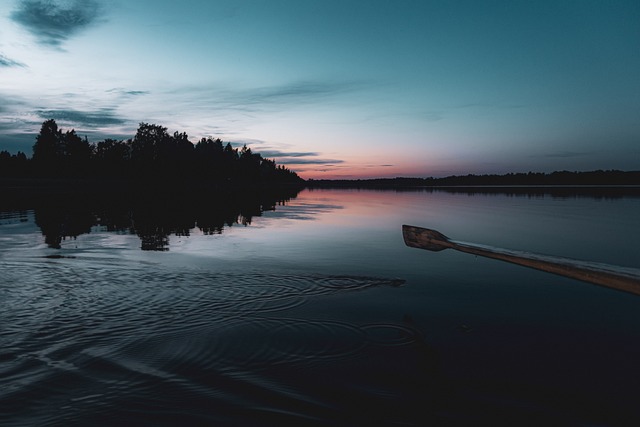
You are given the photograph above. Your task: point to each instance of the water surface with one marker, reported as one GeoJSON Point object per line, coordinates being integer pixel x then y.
{"type": "Point", "coordinates": [309, 309]}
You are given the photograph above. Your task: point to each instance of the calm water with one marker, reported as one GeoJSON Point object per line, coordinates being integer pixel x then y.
{"type": "Point", "coordinates": [310, 310]}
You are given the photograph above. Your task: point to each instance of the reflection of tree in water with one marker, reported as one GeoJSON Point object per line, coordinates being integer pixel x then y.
{"type": "Point", "coordinates": [154, 242]}
{"type": "Point", "coordinates": [153, 217]}
{"type": "Point", "coordinates": [60, 221]}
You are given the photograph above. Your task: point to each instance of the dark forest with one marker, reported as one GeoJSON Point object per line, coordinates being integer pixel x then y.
{"type": "Point", "coordinates": [152, 155]}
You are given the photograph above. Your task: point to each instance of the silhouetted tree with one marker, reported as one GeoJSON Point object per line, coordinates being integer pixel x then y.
{"type": "Point", "coordinates": [112, 151]}
{"type": "Point", "coordinates": [112, 157]}
{"type": "Point", "coordinates": [208, 154]}
{"type": "Point", "coordinates": [61, 154]}
{"type": "Point", "coordinates": [77, 154]}
{"type": "Point", "coordinates": [20, 157]}
{"type": "Point", "coordinates": [48, 151]}
{"type": "Point", "coordinates": [152, 155]}
{"type": "Point", "coordinates": [249, 165]}
{"type": "Point", "coordinates": [182, 155]}
{"type": "Point", "coordinates": [17, 166]}
{"type": "Point", "coordinates": [147, 149]}
{"type": "Point", "coordinates": [6, 164]}
{"type": "Point", "coordinates": [230, 162]}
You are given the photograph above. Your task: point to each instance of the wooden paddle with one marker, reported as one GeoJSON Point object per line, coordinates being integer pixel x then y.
{"type": "Point", "coordinates": [619, 278]}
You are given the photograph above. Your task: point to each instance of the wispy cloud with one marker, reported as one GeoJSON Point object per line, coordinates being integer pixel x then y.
{"type": "Point", "coordinates": [16, 125]}
{"type": "Point", "coordinates": [52, 22]}
{"type": "Point", "coordinates": [7, 127]}
{"type": "Point", "coordinates": [8, 62]}
{"type": "Point", "coordinates": [102, 117]}
{"type": "Point", "coordinates": [4, 102]}
{"type": "Point", "coordinates": [9, 104]}
{"type": "Point", "coordinates": [279, 153]}
{"type": "Point", "coordinates": [297, 91]}
{"type": "Point", "coordinates": [128, 93]}
{"type": "Point", "coordinates": [302, 161]}
{"type": "Point", "coordinates": [269, 98]}
{"type": "Point", "coordinates": [298, 157]}
{"type": "Point", "coordinates": [135, 92]}
{"type": "Point", "coordinates": [286, 157]}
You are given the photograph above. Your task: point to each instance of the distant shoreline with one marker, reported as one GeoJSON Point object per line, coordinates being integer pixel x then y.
{"type": "Point", "coordinates": [559, 191]}
{"type": "Point", "coordinates": [605, 184]}
{"type": "Point", "coordinates": [599, 178]}
{"type": "Point", "coordinates": [27, 193]}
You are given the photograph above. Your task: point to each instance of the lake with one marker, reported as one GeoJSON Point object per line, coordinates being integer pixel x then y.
{"type": "Point", "coordinates": [308, 309]}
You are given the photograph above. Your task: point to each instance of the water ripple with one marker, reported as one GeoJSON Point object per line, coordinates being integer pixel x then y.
{"type": "Point", "coordinates": [89, 335]}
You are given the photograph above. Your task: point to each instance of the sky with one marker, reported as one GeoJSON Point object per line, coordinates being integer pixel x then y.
{"type": "Point", "coordinates": [337, 89]}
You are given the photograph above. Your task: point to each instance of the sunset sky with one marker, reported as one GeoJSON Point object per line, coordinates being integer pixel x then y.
{"type": "Point", "coordinates": [337, 89]}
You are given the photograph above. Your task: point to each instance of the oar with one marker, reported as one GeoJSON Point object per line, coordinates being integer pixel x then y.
{"type": "Point", "coordinates": [619, 278]}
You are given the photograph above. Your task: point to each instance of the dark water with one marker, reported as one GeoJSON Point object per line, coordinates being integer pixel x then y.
{"type": "Point", "coordinates": [308, 309]}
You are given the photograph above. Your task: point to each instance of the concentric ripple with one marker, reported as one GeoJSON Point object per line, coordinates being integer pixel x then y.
{"type": "Point", "coordinates": [302, 340]}
{"type": "Point", "coordinates": [92, 331]}
{"type": "Point", "coordinates": [388, 334]}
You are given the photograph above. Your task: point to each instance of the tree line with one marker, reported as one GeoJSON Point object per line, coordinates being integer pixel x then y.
{"type": "Point", "coordinates": [152, 155]}
{"type": "Point", "coordinates": [533, 179]}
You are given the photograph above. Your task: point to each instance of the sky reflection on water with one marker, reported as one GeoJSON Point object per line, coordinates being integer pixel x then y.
{"type": "Point", "coordinates": [315, 312]}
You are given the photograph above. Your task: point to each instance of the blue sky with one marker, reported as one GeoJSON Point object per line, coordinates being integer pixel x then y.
{"type": "Point", "coordinates": [337, 88]}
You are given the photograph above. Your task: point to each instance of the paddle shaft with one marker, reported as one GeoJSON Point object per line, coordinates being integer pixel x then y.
{"type": "Point", "coordinates": [627, 280]}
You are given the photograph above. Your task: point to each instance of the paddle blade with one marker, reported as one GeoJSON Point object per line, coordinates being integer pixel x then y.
{"type": "Point", "coordinates": [424, 238]}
